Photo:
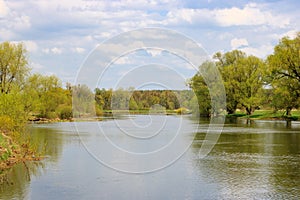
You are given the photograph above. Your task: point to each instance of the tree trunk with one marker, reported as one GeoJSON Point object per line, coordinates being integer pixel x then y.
{"type": "Point", "coordinates": [230, 111]}
{"type": "Point", "coordinates": [288, 111]}
{"type": "Point", "coordinates": [249, 110]}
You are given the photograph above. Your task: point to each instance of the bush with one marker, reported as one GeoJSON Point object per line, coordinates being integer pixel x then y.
{"type": "Point", "coordinates": [6, 124]}
{"type": "Point", "coordinates": [65, 112]}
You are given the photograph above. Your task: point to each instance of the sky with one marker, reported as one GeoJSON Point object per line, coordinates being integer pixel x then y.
{"type": "Point", "coordinates": [60, 34]}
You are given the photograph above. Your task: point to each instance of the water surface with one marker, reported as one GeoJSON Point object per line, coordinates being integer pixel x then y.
{"type": "Point", "coordinates": [257, 160]}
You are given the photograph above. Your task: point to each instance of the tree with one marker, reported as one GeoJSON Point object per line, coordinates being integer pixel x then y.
{"type": "Point", "coordinates": [227, 64]}
{"type": "Point", "coordinates": [45, 96]}
{"type": "Point", "coordinates": [83, 101]}
{"type": "Point", "coordinates": [251, 85]}
{"type": "Point", "coordinates": [13, 66]}
{"type": "Point", "coordinates": [284, 66]}
{"type": "Point", "coordinates": [13, 70]}
{"type": "Point", "coordinates": [243, 80]}
{"type": "Point", "coordinates": [202, 102]}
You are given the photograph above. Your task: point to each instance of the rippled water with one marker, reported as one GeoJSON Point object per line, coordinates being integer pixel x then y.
{"type": "Point", "coordinates": [252, 160]}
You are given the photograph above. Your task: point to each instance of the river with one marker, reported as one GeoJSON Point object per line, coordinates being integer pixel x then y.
{"type": "Point", "coordinates": [157, 157]}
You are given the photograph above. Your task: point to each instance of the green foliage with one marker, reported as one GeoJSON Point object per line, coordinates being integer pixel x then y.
{"type": "Point", "coordinates": [45, 96]}
{"type": "Point", "coordinates": [284, 74]}
{"type": "Point", "coordinates": [133, 105]}
{"type": "Point", "coordinates": [13, 116]}
{"type": "Point", "coordinates": [83, 101]}
{"type": "Point", "coordinates": [243, 80]}
{"type": "Point", "coordinates": [124, 99]}
{"type": "Point", "coordinates": [201, 102]}
{"type": "Point", "coordinates": [209, 102]}
{"type": "Point", "coordinates": [13, 66]}
{"type": "Point", "coordinates": [65, 112]}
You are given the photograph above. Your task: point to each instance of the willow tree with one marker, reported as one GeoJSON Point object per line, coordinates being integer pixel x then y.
{"type": "Point", "coordinates": [13, 66]}
{"type": "Point", "coordinates": [242, 76]}
{"type": "Point", "coordinates": [284, 65]}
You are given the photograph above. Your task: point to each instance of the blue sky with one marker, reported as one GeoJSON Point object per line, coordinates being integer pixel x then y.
{"type": "Point", "coordinates": [60, 34]}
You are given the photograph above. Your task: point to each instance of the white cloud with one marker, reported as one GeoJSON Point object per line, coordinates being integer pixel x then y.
{"type": "Point", "coordinates": [154, 52]}
{"type": "Point", "coordinates": [122, 60]}
{"type": "Point", "coordinates": [261, 51]}
{"type": "Point", "coordinates": [291, 34]}
{"type": "Point", "coordinates": [78, 50]}
{"type": "Point", "coordinates": [250, 15]}
{"type": "Point", "coordinates": [73, 27]}
{"type": "Point", "coordinates": [236, 43]}
{"type": "Point", "coordinates": [36, 66]}
{"type": "Point", "coordinates": [6, 34]}
{"type": "Point", "coordinates": [31, 46]}
{"type": "Point", "coordinates": [46, 50]}
{"type": "Point", "coordinates": [54, 50]}
{"type": "Point", "coordinates": [21, 23]}
{"type": "Point", "coordinates": [3, 8]}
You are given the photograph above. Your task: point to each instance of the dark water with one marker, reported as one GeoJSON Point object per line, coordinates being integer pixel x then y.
{"type": "Point", "coordinates": [257, 160]}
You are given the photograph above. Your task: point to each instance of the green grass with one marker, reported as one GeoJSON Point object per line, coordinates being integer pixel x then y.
{"type": "Point", "coordinates": [268, 114]}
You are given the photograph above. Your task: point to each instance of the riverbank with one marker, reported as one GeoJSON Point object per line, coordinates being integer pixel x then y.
{"type": "Point", "coordinates": [268, 115]}
{"type": "Point", "coordinates": [13, 151]}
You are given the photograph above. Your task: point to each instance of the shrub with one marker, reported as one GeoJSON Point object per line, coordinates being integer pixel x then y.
{"type": "Point", "coordinates": [65, 112]}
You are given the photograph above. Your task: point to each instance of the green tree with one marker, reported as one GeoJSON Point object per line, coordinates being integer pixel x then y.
{"type": "Point", "coordinates": [228, 66]}
{"type": "Point", "coordinates": [13, 66]}
{"type": "Point", "coordinates": [83, 101]}
{"type": "Point", "coordinates": [243, 80]}
{"type": "Point", "coordinates": [132, 104]}
{"type": "Point", "coordinates": [251, 85]}
{"type": "Point", "coordinates": [284, 66]}
{"type": "Point", "coordinates": [46, 97]}
{"type": "Point", "coordinates": [202, 102]}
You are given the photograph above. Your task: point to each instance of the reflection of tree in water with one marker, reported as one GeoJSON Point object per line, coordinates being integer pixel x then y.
{"type": "Point", "coordinates": [48, 141]}
{"type": "Point", "coordinates": [285, 164]}
{"type": "Point", "coordinates": [260, 164]}
{"type": "Point", "coordinates": [15, 181]}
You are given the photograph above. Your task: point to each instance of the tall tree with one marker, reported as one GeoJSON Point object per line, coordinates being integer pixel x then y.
{"type": "Point", "coordinates": [242, 76]}
{"type": "Point", "coordinates": [284, 65]}
{"type": "Point", "coordinates": [228, 66]}
{"type": "Point", "coordinates": [13, 66]}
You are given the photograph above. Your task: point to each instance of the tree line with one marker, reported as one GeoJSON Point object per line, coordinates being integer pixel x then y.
{"type": "Point", "coordinates": [252, 83]}
{"type": "Point", "coordinates": [131, 99]}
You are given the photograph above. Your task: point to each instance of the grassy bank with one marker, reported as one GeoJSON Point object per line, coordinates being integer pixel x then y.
{"type": "Point", "coordinates": [268, 115]}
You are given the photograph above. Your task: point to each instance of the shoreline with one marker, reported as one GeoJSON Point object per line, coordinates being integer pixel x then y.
{"type": "Point", "coordinates": [12, 153]}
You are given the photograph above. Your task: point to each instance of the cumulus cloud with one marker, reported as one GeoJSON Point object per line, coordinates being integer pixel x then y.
{"type": "Point", "coordinates": [291, 34]}
{"type": "Point", "coordinates": [6, 34]}
{"type": "Point", "coordinates": [78, 50]}
{"type": "Point", "coordinates": [236, 43]}
{"type": "Point", "coordinates": [249, 15]}
{"type": "Point", "coordinates": [3, 8]}
{"type": "Point", "coordinates": [122, 60]}
{"type": "Point", "coordinates": [36, 66]}
{"type": "Point", "coordinates": [261, 51]}
{"type": "Point", "coordinates": [154, 52]}
{"type": "Point", "coordinates": [54, 50]}
{"type": "Point", "coordinates": [31, 46]}
{"type": "Point", "coordinates": [73, 27]}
